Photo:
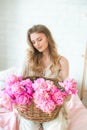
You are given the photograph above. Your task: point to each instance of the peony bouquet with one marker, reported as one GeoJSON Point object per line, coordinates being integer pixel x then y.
{"type": "Point", "coordinates": [47, 96]}
{"type": "Point", "coordinates": [43, 92]}
{"type": "Point", "coordinates": [17, 91]}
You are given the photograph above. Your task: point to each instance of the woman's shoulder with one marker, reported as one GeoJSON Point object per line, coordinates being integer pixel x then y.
{"type": "Point", "coordinates": [64, 67]}
{"type": "Point", "coordinates": [62, 60]}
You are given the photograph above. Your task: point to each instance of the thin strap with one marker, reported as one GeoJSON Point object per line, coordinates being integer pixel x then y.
{"type": "Point", "coordinates": [59, 63]}
{"type": "Point", "coordinates": [59, 58]}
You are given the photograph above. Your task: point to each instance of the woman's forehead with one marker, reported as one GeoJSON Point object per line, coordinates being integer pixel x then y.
{"type": "Point", "coordinates": [36, 35]}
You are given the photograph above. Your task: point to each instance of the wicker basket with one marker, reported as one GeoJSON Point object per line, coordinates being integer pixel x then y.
{"type": "Point", "coordinates": [36, 114]}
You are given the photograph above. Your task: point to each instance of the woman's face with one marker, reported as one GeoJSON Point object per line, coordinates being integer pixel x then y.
{"type": "Point", "coordinates": [39, 41]}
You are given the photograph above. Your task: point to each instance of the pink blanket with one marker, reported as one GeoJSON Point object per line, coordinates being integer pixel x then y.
{"type": "Point", "coordinates": [77, 116]}
{"type": "Point", "coordinates": [8, 120]}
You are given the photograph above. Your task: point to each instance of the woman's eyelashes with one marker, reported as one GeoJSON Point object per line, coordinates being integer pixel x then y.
{"type": "Point", "coordinates": [39, 40]}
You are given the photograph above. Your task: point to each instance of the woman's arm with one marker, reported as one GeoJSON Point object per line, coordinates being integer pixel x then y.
{"type": "Point", "coordinates": [64, 71]}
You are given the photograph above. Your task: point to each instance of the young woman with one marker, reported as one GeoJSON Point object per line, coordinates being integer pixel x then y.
{"type": "Point", "coordinates": [43, 60]}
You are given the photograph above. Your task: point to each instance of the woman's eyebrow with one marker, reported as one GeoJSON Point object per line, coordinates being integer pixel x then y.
{"type": "Point", "coordinates": [36, 39]}
{"type": "Point", "coordinates": [39, 37]}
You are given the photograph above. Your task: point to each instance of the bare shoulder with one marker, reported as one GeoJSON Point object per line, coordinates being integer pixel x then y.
{"type": "Point", "coordinates": [63, 60]}
{"type": "Point", "coordinates": [64, 67]}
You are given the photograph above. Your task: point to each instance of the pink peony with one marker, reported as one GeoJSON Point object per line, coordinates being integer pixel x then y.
{"type": "Point", "coordinates": [11, 79]}
{"type": "Point", "coordinates": [23, 99]}
{"type": "Point", "coordinates": [69, 85]}
{"type": "Point", "coordinates": [17, 91]}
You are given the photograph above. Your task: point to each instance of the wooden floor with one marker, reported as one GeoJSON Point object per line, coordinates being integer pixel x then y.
{"type": "Point", "coordinates": [85, 99]}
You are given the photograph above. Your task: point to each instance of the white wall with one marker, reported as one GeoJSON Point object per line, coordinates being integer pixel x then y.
{"type": "Point", "coordinates": [67, 20]}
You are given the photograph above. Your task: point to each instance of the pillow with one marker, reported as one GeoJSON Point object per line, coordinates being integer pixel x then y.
{"type": "Point", "coordinates": [2, 85]}
{"type": "Point", "coordinates": [4, 73]}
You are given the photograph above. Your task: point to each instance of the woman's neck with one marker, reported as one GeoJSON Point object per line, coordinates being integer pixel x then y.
{"type": "Point", "coordinates": [46, 53]}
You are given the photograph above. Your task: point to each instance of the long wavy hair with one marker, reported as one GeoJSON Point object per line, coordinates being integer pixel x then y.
{"type": "Point", "coordinates": [34, 57]}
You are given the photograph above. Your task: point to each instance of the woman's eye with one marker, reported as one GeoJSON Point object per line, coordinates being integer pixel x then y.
{"type": "Point", "coordinates": [40, 39]}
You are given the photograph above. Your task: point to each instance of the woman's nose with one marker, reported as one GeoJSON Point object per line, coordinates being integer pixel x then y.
{"type": "Point", "coordinates": [37, 43]}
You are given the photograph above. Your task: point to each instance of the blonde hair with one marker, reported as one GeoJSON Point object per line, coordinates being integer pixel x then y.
{"type": "Point", "coordinates": [34, 57]}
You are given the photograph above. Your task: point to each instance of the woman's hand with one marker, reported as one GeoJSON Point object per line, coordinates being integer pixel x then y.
{"type": "Point", "coordinates": [21, 108]}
